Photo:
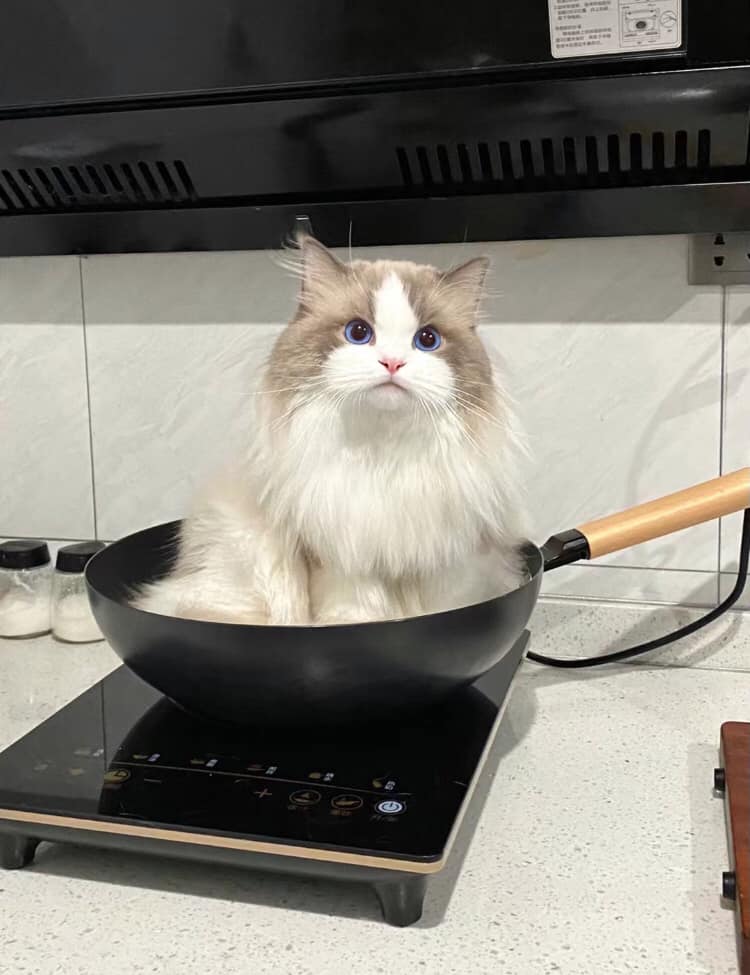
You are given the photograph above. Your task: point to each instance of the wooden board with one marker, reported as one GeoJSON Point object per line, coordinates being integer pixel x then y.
{"type": "Point", "coordinates": [735, 759]}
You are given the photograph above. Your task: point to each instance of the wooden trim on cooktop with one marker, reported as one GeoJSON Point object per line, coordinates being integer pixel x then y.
{"type": "Point", "coordinates": [223, 842]}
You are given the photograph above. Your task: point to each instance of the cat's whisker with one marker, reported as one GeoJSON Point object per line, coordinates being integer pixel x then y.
{"type": "Point", "coordinates": [434, 416]}
{"type": "Point", "coordinates": [307, 404]}
{"type": "Point", "coordinates": [470, 382]}
{"type": "Point", "coordinates": [300, 399]}
{"type": "Point", "coordinates": [451, 411]}
{"type": "Point", "coordinates": [312, 421]}
{"type": "Point", "coordinates": [295, 408]}
{"type": "Point", "coordinates": [484, 385]}
{"type": "Point", "coordinates": [484, 421]}
{"type": "Point", "coordinates": [476, 409]}
{"type": "Point", "coordinates": [300, 387]}
{"type": "Point", "coordinates": [471, 403]}
{"type": "Point", "coordinates": [478, 403]}
{"type": "Point", "coordinates": [481, 451]}
{"type": "Point", "coordinates": [470, 407]}
{"type": "Point", "coordinates": [299, 393]}
{"type": "Point", "coordinates": [358, 281]}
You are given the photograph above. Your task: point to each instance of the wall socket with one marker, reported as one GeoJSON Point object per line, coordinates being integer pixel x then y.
{"type": "Point", "coordinates": [719, 259]}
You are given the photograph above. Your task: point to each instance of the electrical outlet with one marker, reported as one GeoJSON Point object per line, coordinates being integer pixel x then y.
{"type": "Point", "coordinates": [719, 259]}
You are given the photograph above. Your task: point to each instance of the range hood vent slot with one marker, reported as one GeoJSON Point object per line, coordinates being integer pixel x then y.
{"type": "Point", "coordinates": [617, 159]}
{"type": "Point", "coordinates": [104, 186]}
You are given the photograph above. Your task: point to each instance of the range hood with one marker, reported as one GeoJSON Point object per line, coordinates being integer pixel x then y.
{"type": "Point", "coordinates": [188, 124]}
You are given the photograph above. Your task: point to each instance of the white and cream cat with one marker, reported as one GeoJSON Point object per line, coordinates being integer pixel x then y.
{"type": "Point", "coordinates": [382, 478]}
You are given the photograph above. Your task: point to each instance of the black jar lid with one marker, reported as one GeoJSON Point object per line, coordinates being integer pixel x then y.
{"type": "Point", "coordinates": [73, 558]}
{"type": "Point", "coordinates": [23, 553]}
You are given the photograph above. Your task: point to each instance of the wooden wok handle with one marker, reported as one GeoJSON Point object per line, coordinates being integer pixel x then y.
{"type": "Point", "coordinates": [704, 502]}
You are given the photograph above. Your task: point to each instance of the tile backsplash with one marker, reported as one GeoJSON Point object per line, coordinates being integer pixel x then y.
{"type": "Point", "coordinates": [736, 429]}
{"type": "Point", "coordinates": [126, 378]}
{"type": "Point", "coordinates": [45, 472]}
{"type": "Point", "coordinates": [185, 335]}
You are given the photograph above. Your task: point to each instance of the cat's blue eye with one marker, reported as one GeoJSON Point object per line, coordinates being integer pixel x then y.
{"type": "Point", "coordinates": [358, 332]}
{"type": "Point", "coordinates": [427, 339]}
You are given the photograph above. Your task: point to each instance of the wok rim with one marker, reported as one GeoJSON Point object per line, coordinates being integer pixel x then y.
{"type": "Point", "coordinates": [532, 552]}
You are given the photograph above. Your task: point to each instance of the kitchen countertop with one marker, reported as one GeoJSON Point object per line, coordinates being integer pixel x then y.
{"type": "Point", "coordinates": [595, 844]}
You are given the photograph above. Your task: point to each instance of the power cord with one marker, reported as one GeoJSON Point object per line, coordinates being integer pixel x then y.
{"type": "Point", "coordinates": [683, 631]}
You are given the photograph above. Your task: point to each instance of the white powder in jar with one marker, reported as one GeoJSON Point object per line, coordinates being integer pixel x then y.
{"type": "Point", "coordinates": [73, 621]}
{"type": "Point", "coordinates": [24, 613]}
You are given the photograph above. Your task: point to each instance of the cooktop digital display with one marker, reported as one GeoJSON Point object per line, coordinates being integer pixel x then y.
{"type": "Point", "coordinates": [122, 753]}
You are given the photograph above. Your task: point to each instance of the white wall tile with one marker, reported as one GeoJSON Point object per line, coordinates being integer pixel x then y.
{"type": "Point", "coordinates": [617, 415]}
{"type": "Point", "coordinates": [175, 345]}
{"type": "Point", "coordinates": [736, 446]}
{"type": "Point", "coordinates": [615, 361]}
{"type": "Point", "coordinates": [45, 485]}
{"type": "Point", "coordinates": [233, 287]}
{"type": "Point", "coordinates": [727, 582]}
{"type": "Point", "coordinates": [616, 582]}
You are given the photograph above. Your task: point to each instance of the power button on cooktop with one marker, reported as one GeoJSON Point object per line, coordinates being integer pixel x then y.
{"type": "Point", "coordinates": [390, 807]}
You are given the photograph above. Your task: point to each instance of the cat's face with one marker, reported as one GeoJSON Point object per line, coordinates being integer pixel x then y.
{"type": "Point", "coordinates": [386, 336]}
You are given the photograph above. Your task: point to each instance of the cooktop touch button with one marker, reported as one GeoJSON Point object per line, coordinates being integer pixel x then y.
{"type": "Point", "coordinates": [390, 807]}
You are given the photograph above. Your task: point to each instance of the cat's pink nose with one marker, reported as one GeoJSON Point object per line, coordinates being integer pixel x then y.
{"type": "Point", "coordinates": [392, 365]}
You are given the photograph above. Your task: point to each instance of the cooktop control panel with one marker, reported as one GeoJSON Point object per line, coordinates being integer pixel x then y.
{"type": "Point", "coordinates": [271, 797]}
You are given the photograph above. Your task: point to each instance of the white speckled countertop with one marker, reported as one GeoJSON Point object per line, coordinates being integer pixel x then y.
{"type": "Point", "coordinates": [594, 844]}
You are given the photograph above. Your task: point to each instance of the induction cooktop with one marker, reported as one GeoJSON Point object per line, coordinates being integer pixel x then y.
{"type": "Point", "coordinates": [121, 766]}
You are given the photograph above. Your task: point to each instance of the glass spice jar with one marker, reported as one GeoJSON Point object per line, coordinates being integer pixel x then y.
{"type": "Point", "coordinates": [72, 619]}
{"type": "Point", "coordinates": [25, 586]}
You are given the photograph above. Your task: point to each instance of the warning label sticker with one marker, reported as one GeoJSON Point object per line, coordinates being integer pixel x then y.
{"type": "Point", "coordinates": [586, 28]}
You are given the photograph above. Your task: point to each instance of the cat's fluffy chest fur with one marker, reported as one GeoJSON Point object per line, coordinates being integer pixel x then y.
{"type": "Point", "coordinates": [363, 497]}
{"type": "Point", "coordinates": [391, 522]}
{"type": "Point", "coordinates": [394, 507]}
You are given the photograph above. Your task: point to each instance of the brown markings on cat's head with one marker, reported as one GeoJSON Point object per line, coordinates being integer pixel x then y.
{"type": "Point", "coordinates": [396, 299]}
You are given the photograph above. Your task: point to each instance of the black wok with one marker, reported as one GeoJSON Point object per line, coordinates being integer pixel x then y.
{"type": "Point", "coordinates": [367, 671]}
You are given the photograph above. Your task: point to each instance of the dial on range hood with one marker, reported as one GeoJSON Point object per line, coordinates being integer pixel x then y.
{"type": "Point", "coordinates": [182, 125]}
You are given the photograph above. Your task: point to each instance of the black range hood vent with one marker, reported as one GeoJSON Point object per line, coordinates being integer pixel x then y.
{"type": "Point", "coordinates": [225, 124]}
{"type": "Point", "coordinates": [104, 186]}
{"type": "Point", "coordinates": [636, 159]}
{"type": "Point", "coordinates": [609, 161]}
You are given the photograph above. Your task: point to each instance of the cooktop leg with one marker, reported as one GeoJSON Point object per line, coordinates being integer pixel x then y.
{"type": "Point", "coordinates": [402, 899]}
{"type": "Point", "coordinates": [16, 851]}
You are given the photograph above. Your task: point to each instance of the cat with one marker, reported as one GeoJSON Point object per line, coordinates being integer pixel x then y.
{"type": "Point", "coordinates": [382, 480]}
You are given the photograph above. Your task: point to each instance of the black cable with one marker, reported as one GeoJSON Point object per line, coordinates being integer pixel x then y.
{"type": "Point", "coordinates": [610, 658]}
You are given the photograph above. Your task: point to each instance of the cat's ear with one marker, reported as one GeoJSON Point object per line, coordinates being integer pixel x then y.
{"type": "Point", "coordinates": [467, 280]}
{"type": "Point", "coordinates": [319, 265]}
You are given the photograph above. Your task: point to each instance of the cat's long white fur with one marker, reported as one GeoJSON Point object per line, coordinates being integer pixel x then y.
{"type": "Point", "coordinates": [343, 512]}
